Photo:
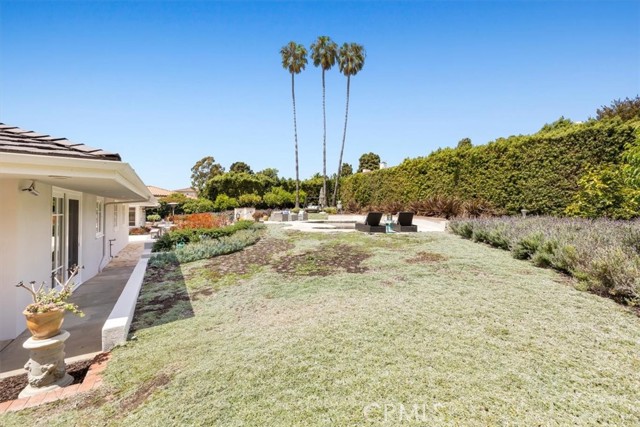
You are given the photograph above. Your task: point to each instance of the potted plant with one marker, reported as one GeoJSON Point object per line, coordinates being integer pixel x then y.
{"type": "Point", "coordinates": [46, 313]}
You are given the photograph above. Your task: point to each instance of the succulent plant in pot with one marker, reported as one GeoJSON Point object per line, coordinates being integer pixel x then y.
{"type": "Point", "coordinates": [46, 313]}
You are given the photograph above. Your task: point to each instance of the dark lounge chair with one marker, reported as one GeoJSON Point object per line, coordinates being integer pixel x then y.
{"type": "Point", "coordinates": [372, 223]}
{"type": "Point", "coordinates": [404, 222]}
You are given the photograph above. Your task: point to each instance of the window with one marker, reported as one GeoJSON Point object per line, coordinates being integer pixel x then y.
{"type": "Point", "coordinates": [116, 210]}
{"type": "Point", "coordinates": [132, 217]}
{"type": "Point", "coordinates": [99, 213]}
{"type": "Point", "coordinates": [57, 239]}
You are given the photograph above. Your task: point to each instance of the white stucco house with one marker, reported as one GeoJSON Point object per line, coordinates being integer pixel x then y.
{"type": "Point", "coordinates": [61, 204]}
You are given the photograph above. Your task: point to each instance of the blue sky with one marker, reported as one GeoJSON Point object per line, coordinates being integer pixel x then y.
{"type": "Point", "coordinates": [167, 83]}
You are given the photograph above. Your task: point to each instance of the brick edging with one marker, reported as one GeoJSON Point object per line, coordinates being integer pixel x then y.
{"type": "Point", "coordinates": [91, 381]}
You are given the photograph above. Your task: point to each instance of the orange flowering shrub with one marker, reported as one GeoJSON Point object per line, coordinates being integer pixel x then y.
{"type": "Point", "coordinates": [200, 220]}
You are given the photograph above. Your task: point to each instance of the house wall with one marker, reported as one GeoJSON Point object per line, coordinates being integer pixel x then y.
{"type": "Point", "coordinates": [25, 244]}
{"type": "Point", "coordinates": [25, 248]}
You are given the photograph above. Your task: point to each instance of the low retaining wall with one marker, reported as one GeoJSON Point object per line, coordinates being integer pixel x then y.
{"type": "Point", "coordinates": [116, 328]}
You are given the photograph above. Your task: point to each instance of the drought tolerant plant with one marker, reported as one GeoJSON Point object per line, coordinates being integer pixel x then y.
{"type": "Point", "coordinates": [169, 240]}
{"type": "Point", "coordinates": [45, 301]}
{"type": "Point", "coordinates": [604, 254]}
{"type": "Point", "coordinates": [208, 248]}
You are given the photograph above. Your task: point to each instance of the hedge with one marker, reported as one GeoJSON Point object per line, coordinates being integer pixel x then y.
{"type": "Point", "coordinates": [538, 172]}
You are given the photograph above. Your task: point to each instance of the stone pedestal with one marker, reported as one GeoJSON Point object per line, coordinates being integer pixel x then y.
{"type": "Point", "coordinates": [46, 368]}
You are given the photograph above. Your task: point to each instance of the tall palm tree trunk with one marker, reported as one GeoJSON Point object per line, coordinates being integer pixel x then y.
{"type": "Point", "coordinates": [324, 145]}
{"type": "Point", "coordinates": [344, 136]}
{"type": "Point", "coordinates": [295, 135]}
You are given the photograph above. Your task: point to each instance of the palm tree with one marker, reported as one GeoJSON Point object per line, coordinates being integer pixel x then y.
{"type": "Point", "coordinates": [324, 53]}
{"type": "Point", "coordinates": [350, 60]}
{"type": "Point", "coordinates": [294, 59]}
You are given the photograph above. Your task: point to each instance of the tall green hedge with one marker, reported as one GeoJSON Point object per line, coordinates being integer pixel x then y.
{"type": "Point", "coordinates": [538, 172]}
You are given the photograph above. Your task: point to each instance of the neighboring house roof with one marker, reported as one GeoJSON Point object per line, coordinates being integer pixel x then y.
{"type": "Point", "coordinates": [16, 140]}
{"type": "Point", "coordinates": [189, 192]}
{"type": "Point", "coordinates": [40, 158]}
{"type": "Point", "coordinates": [158, 192]}
{"type": "Point", "coordinates": [185, 190]}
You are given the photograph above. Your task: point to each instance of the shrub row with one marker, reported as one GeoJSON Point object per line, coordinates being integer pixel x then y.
{"type": "Point", "coordinates": [538, 172]}
{"type": "Point", "coordinates": [169, 240]}
{"type": "Point", "coordinates": [604, 254]}
{"type": "Point", "coordinates": [438, 205]}
{"type": "Point", "coordinates": [208, 248]}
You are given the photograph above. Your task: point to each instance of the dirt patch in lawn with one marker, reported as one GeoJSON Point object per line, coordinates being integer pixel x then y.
{"type": "Point", "coordinates": [244, 261]}
{"type": "Point", "coordinates": [324, 261]}
{"type": "Point", "coordinates": [144, 391]}
{"type": "Point", "coordinates": [426, 257]}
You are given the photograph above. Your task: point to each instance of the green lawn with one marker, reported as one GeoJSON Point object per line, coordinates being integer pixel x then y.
{"type": "Point", "coordinates": [347, 329]}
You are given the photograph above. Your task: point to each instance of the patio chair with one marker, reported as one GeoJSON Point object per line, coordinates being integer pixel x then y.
{"type": "Point", "coordinates": [404, 222]}
{"type": "Point", "coordinates": [372, 223]}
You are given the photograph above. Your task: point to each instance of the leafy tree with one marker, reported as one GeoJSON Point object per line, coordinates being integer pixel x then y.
{"type": "Point", "coordinates": [249, 200]}
{"type": "Point", "coordinates": [175, 198]}
{"type": "Point", "coordinates": [239, 167]}
{"type": "Point", "coordinates": [269, 172]}
{"type": "Point", "coordinates": [627, 109]}
{"type": "Point", "coordinates": [199, 205]}
{"type": "Point", "coordinates": [370, 161]}
{"type": "Point", "coordinates": [350, 60]}
{"type": "Point", "coordinates": [164, 209]}
{"type": "Point", "coordinates": [347, 170]}
{"type": "Point", "coordinates": [278, 197]}
{"type": "Point", "coordinates": [235, 184]}
{"type": "Point", "coordinates": [294, 59]}
{"type": "Point", "coordinates": [204, 169]}
{"type": "Point", "coordinates": [464, 143]}
{"type": "Point", "coordinates": [324, 53]}
{"type": "Point", "coordinates": [225, 203]}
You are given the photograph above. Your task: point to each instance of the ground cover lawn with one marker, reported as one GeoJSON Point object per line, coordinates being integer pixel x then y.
{"type": "Point", "coordinates": [358, 329]}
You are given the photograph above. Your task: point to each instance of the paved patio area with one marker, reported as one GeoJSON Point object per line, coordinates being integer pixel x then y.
{"type": "Point", "coordinates": [96, 297]}
{"type": "Point", "coordinates": [343, 223]}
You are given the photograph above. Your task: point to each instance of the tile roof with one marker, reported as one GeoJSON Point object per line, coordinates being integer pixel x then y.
{"type": "Point", "coordinates": [16, 140]}
{"type": "Point", "coordinates": [157, 191]}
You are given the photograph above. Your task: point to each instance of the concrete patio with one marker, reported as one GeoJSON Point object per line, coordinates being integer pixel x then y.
{"type": "Point", "coordinates": [96, 298]}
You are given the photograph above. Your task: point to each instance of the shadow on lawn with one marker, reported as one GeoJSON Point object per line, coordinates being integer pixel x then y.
{"type": "Point", "coordinates": [163, 298]}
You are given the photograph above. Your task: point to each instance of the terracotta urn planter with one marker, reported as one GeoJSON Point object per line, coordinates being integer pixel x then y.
{"type": "Point", "coordinates": [44, 325]}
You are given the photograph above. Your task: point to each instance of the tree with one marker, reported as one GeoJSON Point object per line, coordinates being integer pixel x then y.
{"type": "Point", "coordinates": [225, 203]}
{"type": "Point", "coordinates": [294, 59]}
{"type": "Point", "coordinates": [347, 170]}
{"type": "Point", "coordinates": [369, 161]}
{"type": "Point", "coordinates": [192, 206]}
{"type": "Point", "coordinates": [235, 184]}
{"type": "Point", "coordinates": [627, 109]}
{"type": "Point", "coordinates": [269, 172]}
{"type": "Point", "coordinates": [204, 169]}
{"type": "Point", "coordinates": [464, 143]}
{"type": "Point", "coordinates": [249, 200]}
{"type": "Point", "coordinates": [350, 60]}
{"type": "Point", "coordinates": [239, 167]}
{"type": "Point", "coordinates": [324, 53]}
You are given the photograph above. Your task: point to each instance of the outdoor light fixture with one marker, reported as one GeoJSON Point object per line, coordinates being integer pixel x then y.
{"type": "Point", "coordinates": [32, 189]}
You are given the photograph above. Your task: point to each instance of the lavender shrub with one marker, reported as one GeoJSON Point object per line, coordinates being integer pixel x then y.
{"type": "Point", "coordinates": [604, 254]}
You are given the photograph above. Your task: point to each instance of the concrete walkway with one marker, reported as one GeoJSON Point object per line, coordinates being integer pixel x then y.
{"type": "Point", "coordinates": [96, 297]}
